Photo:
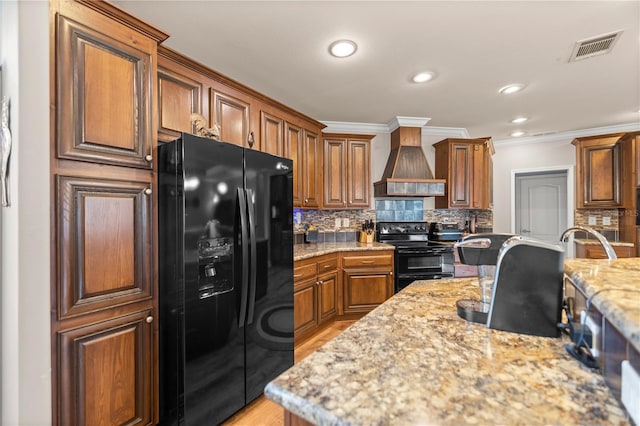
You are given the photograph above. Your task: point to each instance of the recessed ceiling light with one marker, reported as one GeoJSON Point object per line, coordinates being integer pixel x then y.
{"type": "Point", "coordinates": [519, 120]}
{"type": "Point", "coordinates": [511, 88]}
{"type": "Point", "coordinates": [343, 48]}
{"type": "Point", "coordinates": [517, 133]}
{"type": "Point", "coordinates": [423, 77]}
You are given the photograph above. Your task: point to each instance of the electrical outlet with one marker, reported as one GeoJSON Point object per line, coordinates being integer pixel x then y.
{"type": "Point", "coordinates": [297, 218]}
{"type": "Point", "coordinates": [338, 222]}
{"type": "Point", "coordinates": [630, 393]}
{"type": "Point", "coordinates": [345, 222]}
{"type": "Point", "coordinates": [592, 220]}
{"type": "Point", "coordinates": [594, 327]}
{"type": "Point", "coordinates": [606, 220]}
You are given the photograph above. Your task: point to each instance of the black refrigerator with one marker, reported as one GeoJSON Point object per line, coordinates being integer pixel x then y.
{"type": "Point", "coordinates": [225, 278]}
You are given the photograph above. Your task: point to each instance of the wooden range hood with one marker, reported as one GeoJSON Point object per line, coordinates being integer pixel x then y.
{"type": "Point", "coordinates": [407, 173]}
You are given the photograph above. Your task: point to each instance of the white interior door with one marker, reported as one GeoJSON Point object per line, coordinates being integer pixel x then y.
{"type": "Point", "coordinates": [541, 205]}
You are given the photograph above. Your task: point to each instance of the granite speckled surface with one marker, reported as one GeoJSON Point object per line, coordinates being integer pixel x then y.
{"type": "Point", "coordinates": [586, 241]}
{"type": "Point", "coordinates": [413, 361]}
{"type": "Point", "coordinates": [615, 287]}
{"type": "Point", "coordinates": [305, 251]}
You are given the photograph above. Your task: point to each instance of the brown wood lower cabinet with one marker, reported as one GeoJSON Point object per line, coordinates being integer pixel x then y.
{"type": "Point", "coordinates": [315, 297]}
{"type": "Point", "coordinates": [113, 355]}
{"type": "Point", "coordinates": [367, 281]}
{"type": "Point", "coordinates": [337, 285]}
{"type": "Point", "coordinates": [593, 251]}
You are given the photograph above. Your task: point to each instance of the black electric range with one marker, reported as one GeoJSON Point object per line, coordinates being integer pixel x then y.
{"type": "Point", "coordinates": [419, 254]}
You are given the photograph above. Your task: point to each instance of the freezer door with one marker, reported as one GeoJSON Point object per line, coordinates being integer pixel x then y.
{"type": "Point", "coordinates": [269, 327]}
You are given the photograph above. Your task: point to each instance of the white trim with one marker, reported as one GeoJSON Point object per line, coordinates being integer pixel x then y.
{"type": "Point", "coordinates": [446, 132]}
{"type": "Point", "coordinates": [347, 127]}
{"type": "Point", "coordinates": [570, 190]}
{"type": "Point", "coordinates": [373, 128]}
{"type": "Point", "coordinates": [570, 135]}
{"type": "Point", "coordinates": [400, 121]}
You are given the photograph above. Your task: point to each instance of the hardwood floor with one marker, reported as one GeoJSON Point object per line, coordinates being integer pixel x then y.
{"type": "Point", "coordinates": [263, 412]}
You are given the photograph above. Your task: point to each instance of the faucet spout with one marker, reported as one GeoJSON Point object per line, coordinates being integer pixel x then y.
{"type": "Point", "coordinates": [606, 245]}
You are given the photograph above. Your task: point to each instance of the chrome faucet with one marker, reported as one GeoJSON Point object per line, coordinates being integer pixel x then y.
{"type": "Point", "coordinates": [606, 245]}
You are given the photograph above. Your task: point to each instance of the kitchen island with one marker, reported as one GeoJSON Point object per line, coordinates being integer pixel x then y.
{"type": "Point", "coordinates": [412, 360]}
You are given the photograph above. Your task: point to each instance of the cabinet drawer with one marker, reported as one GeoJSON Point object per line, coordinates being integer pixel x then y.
{"type": "Point", "coordinates": [302, 273]}
{"type": "Point", "coordinates": [327, 265]}
{"type": "Point", "coordinates": [367, 260]}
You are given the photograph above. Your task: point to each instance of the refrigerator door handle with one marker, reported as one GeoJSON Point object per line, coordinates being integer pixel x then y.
{"type": "Point", "coordinates": [244, 241]}
{"type": "Point", "coordinates": [254, 261]}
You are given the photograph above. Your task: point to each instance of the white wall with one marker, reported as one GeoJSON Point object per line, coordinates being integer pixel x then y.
{"type": "Point", "coordinates": [518, 156]}
{"type": "Point", "coordinates": [25, 366]}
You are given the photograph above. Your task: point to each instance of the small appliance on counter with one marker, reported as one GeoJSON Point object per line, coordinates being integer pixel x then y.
{"type": "Point", "coordinates": [526, 294]}
{"type": "Point", "coordinates": [444, 232]}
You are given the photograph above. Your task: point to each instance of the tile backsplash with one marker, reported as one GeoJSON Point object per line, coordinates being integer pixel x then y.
{"type": "Point", "coordinates": [606, 221]}
{"type": "Point", "coordinates": [343, 225]}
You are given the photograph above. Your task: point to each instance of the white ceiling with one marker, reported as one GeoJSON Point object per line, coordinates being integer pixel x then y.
{"type": "Point", "coordinates": [279, 48]}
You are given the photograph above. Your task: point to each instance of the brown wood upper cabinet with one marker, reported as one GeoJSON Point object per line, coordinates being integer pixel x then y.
{"type": "Point", "coordinates": [104, 96]}
{"type": "Point", "coordinates": [232, 110]}
{"type": "Point", "coordinates": [181, 92]}
{"type": "Point", "coordinates": [347, 171]}
{"type": "Point", "coordinates": [104, 337]}
{"type": "Point", "coordinates": [466, 165]}
{"type": "Point", "coordinates": [598, 171]}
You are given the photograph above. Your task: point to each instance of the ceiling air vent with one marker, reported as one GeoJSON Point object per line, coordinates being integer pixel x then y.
{"type": "Point", "coordinates": [594, 46]}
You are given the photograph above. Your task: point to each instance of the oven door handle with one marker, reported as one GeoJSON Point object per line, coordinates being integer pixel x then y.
{"type": "Point", "coordinates": [422, 252]}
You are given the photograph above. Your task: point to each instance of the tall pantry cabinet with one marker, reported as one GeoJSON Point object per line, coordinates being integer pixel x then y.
{"type": "Point", "coordinates": [104, 254]}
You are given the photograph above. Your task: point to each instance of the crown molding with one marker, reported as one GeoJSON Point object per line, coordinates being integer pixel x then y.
{"type": "Point", "coordinates": [373, 128]}
{"type": "Point", "coordinates": [570, 135]}
{"type": "Point", "coordinates": [359, 128]}
{"type": "Point", "coordinates": [446, 132]}
{"type": "Point", "coordinates": [401, 121]}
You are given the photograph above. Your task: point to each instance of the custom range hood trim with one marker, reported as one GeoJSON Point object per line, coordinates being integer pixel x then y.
{"type": "Point", "coordinates": [407, 172]}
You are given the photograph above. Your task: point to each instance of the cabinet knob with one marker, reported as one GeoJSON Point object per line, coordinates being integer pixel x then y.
{"type": "Point", "coordinates": [149, 319]}
{"type": "Point", "coordinates": [250, 140]}
{"type": "Point", "coordinates": [320, 282]}
{"type": "Point", "coordinates": [306, 200]}
{"type": "Point", "coordinates": [391, 273]}
{"type": "Point", "coordinates": [148, 157]}
{"type": "Point", "coordinates": [147, 191]}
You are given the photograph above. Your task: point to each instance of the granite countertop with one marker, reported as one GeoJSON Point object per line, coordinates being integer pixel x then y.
{"type": "Point", "coordinates": [413, 361]}
{"type": "Point", "coordinates": [615, 287]}
{"type": "Point", "coordinates": [587, 241]}
{"type": "Point", "coordinates": [305, 251]}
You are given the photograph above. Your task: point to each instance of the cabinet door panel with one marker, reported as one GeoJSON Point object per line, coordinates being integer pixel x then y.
{"type": "Point", "coordinates": [460, 176]}
{"type": "Point", "coordinates": [364, 291]}
{"type": "Point", "coordinates": [602, 174]}
{"type": "Point", "coordinates": [358, 174]}
{"type": "Point", "coordinates": [106, 372]}
{"type": "Point", "coordinates": [232, 115]}
{"type": "Point", "coordinates": [103, 113]}
{"type": "Point", "coordinates": [304, 309]}
{"type": "Point", "coordinates": [294, 150]}
{"type": "Point", "coordinates": [312, 170]}
{"type": "Point", "coordinates": [271, 133]}
{"type": "Point", "coordinates": [104, 233]}
{"type": "Point", "coordinates": [179, 97]}
{"type": "Point", "coordinates": [327, 297]}
{"type": "Point", "coordinates": [335, 173]}
{"type": "Point", "coordinates": [478, 186]}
